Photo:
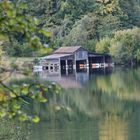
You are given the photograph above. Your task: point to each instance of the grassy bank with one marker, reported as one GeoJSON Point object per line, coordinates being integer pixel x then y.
{"type": "Point", "coordinates": [21, 64]}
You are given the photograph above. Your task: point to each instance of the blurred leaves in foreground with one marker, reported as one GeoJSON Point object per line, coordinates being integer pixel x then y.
{"type": "Point", "coordinates": [17, 24]}
{"type": "Point", "coordinates": [15, 97]}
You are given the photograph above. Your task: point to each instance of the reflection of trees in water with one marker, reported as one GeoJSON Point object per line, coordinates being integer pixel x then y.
{"type": "Point", "coordinates": [66, 131]}
{"type": "Point", "coordinates": [106, 94]}
{"type": "Point", "coordinates": [113, 128]}
{"type": "Point", "coordinates": [114, 94]}
{"type": "Point", "coordinates": [85, 103]}
{"type": "Point", "coordinates": [124, 84]}
{"type": "Point", "coordinates": [101, 96]}
{"type": "Point", "coordinates": [108, 107]}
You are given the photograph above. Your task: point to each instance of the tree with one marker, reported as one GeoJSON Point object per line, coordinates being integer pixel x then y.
{"type": "Point", "coordinates": [63, 15]}
{"type": "Point", "coordinates": [15, 22]}
{"type": "Point", "coordinates": [103, 45]}
{"type": "Point", "coordinates": [82, 31]}
{"type": "Point", "coordinates": [125, 46]}
{"type": "Point", "coordinates": [132, 9]}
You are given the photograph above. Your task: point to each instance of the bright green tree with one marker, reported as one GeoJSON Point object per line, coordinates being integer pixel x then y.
{"type": "Point", "coordinates": [125, 46]}
{"type": "Point", "coordinates": [103, 45]}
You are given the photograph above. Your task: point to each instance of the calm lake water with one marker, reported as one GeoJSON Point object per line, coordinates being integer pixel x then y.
{"type": "Point", "coordinates": [97, 105]}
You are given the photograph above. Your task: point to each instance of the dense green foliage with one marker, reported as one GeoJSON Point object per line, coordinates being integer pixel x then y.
{"type": "Point", "coordinates": [124, 46]}
{"type": "Point", "coordinates": [63, 16]}
{"type": "Point", "coordinates": [80, 22]}
{"type": "Point", "coordinates": [21, 29]}
{"type": "Point", "coordinates": [72, 22]}
{"type": "Point", "coordinates": [103, 45]}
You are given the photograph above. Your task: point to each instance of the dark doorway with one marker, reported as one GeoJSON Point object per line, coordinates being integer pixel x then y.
{"type": "Point", "coordinates": [63, 67]}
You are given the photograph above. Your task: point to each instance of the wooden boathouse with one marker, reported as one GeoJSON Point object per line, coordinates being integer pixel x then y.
{"type": "Point", "coordinates": [73, 58]}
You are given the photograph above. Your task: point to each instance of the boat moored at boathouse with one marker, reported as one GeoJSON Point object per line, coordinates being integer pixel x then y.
{"type": "Point", "coordinates": [74, 58]}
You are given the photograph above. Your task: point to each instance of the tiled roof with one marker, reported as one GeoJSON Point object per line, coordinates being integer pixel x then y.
{"type": "Point", "coordinates": [67, 49]}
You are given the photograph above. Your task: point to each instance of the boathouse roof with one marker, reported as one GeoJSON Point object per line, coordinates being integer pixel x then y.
{"type": "Point", "coordinates": [67, 50]}
{"type": "Point", "coordinates": [56, 56]}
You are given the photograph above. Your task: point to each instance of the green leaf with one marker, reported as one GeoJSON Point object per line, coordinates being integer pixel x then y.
{"type": "Point", "coordinates": [42, 99]}
{"type": "Point", "coordinates": [13, 95]}
{"type": "Point", "coordinates": [16, 106]}
{"type": "Point", "coordinates": [2, 114]}
{"type": "Point", "coordinates": [23, 117]}
{"type": "Point", "coordinates": [35, 119]}
{"type": "Point", "coordinates": [25, 90]}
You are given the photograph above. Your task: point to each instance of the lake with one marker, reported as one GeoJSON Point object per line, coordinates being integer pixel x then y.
{"type": "Point", "coordinates": [93, 105]}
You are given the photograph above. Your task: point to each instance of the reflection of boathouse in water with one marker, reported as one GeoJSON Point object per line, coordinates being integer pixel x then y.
{"type": "Point", "coordinates": [66, 60]}
{"type": "Point", "coordinates": [75, 79]}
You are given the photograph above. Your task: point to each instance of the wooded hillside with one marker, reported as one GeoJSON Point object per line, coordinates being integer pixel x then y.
{"type": "Point", "coordinates": [79, 22]}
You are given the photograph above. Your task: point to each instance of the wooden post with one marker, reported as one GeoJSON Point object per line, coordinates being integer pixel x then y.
{"type": "Point", "coordinates": [59, 67]}
{"type": "Point", "coordinates": [87, 63]}
{"type": "Point", "coordinates": [87, 66]}
{"type": "Point", "coordinates": [74, 63]}
{"type": "Point", "coordinates": [104, 61]}
{"type": "Point", "coordinates": [66, 61]}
